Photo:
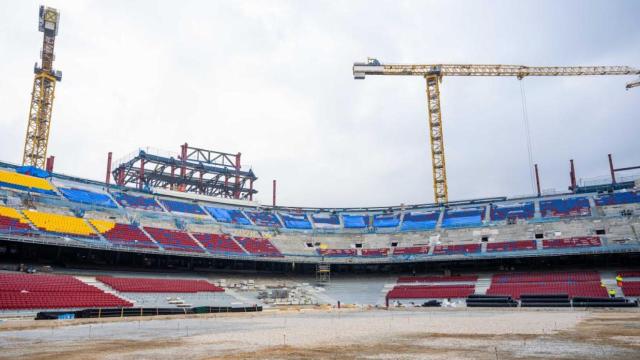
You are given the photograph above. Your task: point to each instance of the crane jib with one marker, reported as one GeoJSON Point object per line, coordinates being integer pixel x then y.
{"type": "Point", "coordinates": [434, 72]}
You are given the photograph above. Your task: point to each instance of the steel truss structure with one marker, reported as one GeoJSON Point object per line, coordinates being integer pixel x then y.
{"type": "Point", "coordinates": [193, 170]}
{"type": "Point", "coordinates": [43, 93]}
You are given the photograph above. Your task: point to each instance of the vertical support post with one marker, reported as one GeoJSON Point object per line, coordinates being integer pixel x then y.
{"type": "Point", "coordinates": [49, 164]}
{"type": "Point", "coordinates": [120, 176]}
{"type": "Point", "coordinates": [572, 175]}
{"type": "Point", "coordinates": [236, 193]}
{"type": "Point", "coordinates": [108, 178]}
{"type": "Point", "coordinates": [183, 169]}
{"type": "Point", "coordinates": [251, 190]}
{"type": "Point", "coordinates": [226, 184]}
{"type": "Point", "coordinates": [274, 193]}
{"type": "Point", "coordinates": [173, 175]}
{"type": "Point", "coordinates": [201, 185]}
{"type": "Point", "coordinates": [537, 179]}
{"type": "Point", "coordinates": [613, 172]}
{"type": "Point", "coordinates": [141, 174]}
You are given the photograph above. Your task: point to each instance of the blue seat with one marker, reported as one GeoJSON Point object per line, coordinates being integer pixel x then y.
{"type": "Point", "coordinates": [135, 201]}
{"type": "Point", "coordinates": [230, 216]}
{"type": "Point", "coordinates": [355, 221]}
{"type": "Point", "coordinates": [264, 218]}
{"type": "Point", "coordinates": [627, 197]}
{"type": "Point", "coordinates": [512, 211]}
{"type": "Point", "coordinates": [386, 220]}
{"type": "Point", "coordinates": [295, 221]}
{"type": "Point", "coordinates": [183, 207]}
{"type": "Point", "coordinates": [568, 207]}
{"type": "Point", "coordinates": [420, 220]}
{"type": "Point", "coordinates": [326, 220]}
{"type": "Point", "coordinates": [463, 217]}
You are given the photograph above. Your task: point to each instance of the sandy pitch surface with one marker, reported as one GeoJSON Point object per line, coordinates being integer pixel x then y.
{"type": "Point", "coordinates": [345, 334]}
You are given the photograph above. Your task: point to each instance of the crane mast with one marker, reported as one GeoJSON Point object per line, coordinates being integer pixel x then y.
{"type": "Point", "coordinates": [433, 74]}
{"type": "Point", "coordinates": [43, 93]}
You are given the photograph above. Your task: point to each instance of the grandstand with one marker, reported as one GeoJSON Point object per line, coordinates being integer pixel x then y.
{"type": "Point", "coordinates": [564, 225]}
{"type": "Point", "coordinates": [93, 224]}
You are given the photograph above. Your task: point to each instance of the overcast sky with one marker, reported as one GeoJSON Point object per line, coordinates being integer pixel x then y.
{"type": "Point", "coordinates": [272, 79]}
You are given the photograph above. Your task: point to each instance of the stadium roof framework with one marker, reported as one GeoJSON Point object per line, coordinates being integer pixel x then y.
{"type": "Point", "coordinates": [194, 170]}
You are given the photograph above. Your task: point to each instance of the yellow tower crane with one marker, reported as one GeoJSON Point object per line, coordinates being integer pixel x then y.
{"type": "Point", "coordinates": [433, 74]}
{"type": "Point", "coordinates": [44, 85]}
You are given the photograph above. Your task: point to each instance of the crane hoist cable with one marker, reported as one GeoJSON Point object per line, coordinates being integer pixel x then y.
{"type": "Point", "coordinates": [527, 131]}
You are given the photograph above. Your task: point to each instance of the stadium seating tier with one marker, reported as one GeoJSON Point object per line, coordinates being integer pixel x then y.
{"type": "Point", "coordinates": [136, 201]}
{"type": "Point", "coordinates": [296, 221]}
{"type": "Point", "coordinates": [218, 243]}
{"type": "Point", "coordinates": [150, 285]}
{"type": "Point", "coordinates": [585, 284]}
{"type": "Point", "coordinates": [430, 291]}
{"type": "Point", "coordinates": [23, 291]}
{"type": "Point", "coordinates": [17, 181]}
{"type": "Point", "coordinates": [123, 234]}
{"type": "Point", "coordinates": [175, 240]}
{"type": "Point", "coordinates": [61, 224]}
{"type": "Point", "coordinates": [259, 247]}
{"type": "Point", "coordinates": [569, 207]}
{"type": "Point", "coordinates": [182, 207]}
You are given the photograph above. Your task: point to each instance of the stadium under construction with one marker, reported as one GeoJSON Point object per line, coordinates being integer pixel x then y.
{"type": "Point", "coordinates": [179, 233]}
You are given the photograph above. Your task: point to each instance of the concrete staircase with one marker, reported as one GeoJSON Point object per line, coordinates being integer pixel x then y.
{"type": "Point", "coordinates": [609, 280]}
{"type": "Point", "coordinates": [100, 236]}
{"type": "Point", "coordinates": [483, 283]}
{"type": "Point", "coordinates": [151, 237]}
{"type": "Point", "coordinates": [90, 280]}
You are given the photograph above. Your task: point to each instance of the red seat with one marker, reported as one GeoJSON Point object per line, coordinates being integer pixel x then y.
{"type": "Point", "coordinates": [25, 291]}
{"type": "Point", "coordinates": [175, 240]}
{"type": "Point", "coordinates": [219, 243]}
{"type": "Point", "coordinates": [259, 246]}
{"type": "Point", "coordinates": [585, 283]}
{"type": "Point", "coordinates": [158, 285]}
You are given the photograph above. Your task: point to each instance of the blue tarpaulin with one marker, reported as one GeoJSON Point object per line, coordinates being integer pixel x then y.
{"type": "Point", "coordinates": [355, 221]}
{"type": "Point", "coordinates": [87, 197]}
{"type": "Point", "coordinates": [33, 171]}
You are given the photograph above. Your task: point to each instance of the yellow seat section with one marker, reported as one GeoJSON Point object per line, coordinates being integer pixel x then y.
{"type": "Point", "coordinates": [59, 223]}
{"type": "Point", "coordinates": [12, 213]}
{"type": "Point", "coordinates": [102, 225]}
{"type": "Point", "coordinates": [25, 180]}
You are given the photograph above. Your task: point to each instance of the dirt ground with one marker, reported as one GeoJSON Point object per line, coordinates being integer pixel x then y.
{"type": "Point", "coordinates": [330, 334]}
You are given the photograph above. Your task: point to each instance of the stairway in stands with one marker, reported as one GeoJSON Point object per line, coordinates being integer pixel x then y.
{"type": "Point", "coordinates": [483, 283]}
{"type": "Point", "coordinates": [94, 228]}
{"type": "Point", "coordinates": [90, 280]}
{"type": "Point", "coordinates": [151, 237]}
{"type": "Point", "coordinates": [609, 280]}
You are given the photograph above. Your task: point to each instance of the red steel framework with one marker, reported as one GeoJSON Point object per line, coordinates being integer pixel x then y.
{"type": "Point", "coordinates": [201, 171]}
